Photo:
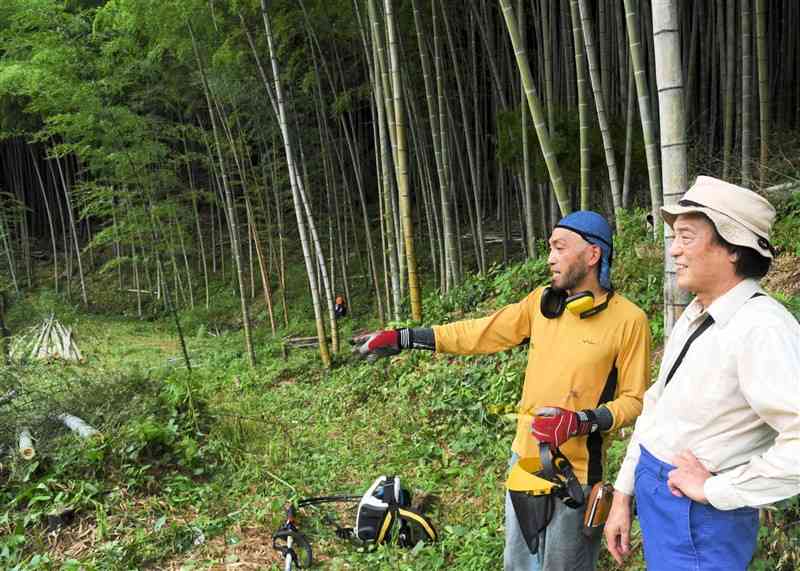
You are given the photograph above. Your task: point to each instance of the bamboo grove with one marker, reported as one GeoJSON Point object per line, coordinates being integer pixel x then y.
{"type": "Point", "coordinates": [175, 143]}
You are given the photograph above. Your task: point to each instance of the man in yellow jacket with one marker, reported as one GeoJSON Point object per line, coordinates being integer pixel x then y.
{"type": "Point", "coordinates": [588, 367]}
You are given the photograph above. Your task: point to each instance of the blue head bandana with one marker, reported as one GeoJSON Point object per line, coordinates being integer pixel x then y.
{"type": "Point", "coordinates": [594, 229]}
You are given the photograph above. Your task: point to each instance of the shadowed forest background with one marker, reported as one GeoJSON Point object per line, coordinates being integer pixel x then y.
{"type": "Point", "coordinates": [187, 186]}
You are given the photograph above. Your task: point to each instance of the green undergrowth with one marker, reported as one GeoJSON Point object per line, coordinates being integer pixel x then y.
{"type": "Point", "coordinates": [193, 469]}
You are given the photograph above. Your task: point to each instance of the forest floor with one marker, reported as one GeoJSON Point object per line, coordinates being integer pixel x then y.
{"type": "Point", "coordinates": [194, 469]}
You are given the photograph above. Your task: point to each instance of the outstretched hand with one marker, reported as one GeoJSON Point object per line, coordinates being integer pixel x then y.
{"type": "Point", "coordinates": [373, 346]}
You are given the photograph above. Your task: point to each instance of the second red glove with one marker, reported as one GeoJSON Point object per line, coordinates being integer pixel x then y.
{"type": "Point", "coordinates": [554, 425]}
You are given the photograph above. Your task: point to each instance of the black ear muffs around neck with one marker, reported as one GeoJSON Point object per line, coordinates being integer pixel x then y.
{"type": "Point", "coordinates": [555, 301]}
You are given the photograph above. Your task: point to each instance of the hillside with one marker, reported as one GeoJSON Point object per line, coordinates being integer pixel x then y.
{"type": "Point", "coordinates": [193, 469]}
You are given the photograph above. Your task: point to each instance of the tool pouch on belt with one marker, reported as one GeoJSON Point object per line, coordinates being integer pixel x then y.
{"type": "Point", "coordinates": [597, 508]}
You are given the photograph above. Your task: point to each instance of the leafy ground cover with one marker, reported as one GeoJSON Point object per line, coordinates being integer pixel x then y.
{"type": "Point", "coordinates": [193, 469]}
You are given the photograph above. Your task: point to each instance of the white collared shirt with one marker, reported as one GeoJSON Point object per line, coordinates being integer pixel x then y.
{"type": "Point", "coordinates": [734, 401]}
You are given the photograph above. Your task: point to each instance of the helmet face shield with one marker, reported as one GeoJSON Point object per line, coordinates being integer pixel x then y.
{"type": "Point", "coordinates": [533, 486]}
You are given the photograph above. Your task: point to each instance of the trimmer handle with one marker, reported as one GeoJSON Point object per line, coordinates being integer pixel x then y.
{"type": "Point", "coordinates": [292, 544]}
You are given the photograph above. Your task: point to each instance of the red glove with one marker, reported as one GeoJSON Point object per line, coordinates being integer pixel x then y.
{"type": "Point", "coordinates": [554, 425]}
{"type": "Point", "coordinates": [378, 344]}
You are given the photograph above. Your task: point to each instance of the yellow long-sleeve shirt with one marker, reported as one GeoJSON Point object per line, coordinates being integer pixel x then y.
{"type": "Point", "coordinates": [570, 363]}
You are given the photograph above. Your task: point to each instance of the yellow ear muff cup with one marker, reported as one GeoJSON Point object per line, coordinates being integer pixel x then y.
{"type": "Point", "coordinates": [523, 478]}
{"type": "Point", "coordinates": [580, 303]}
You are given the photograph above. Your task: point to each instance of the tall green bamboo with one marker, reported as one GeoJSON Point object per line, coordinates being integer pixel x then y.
{"type": "Point", "coordinates": [600, 101]}
{"type": "Point", "coordinates": [648, 125]}
{"type": "Point", "coordinates": [474, 203]}
{"type": "Point", "coordinates": [669, 78]}
{"type": "Point", "coordinates": [452, 276]}
{"type": "Point", "coordinates": [747, 92]}
{"type": "Point", "coordinates": [402, 168]}
{"type": "Point", "coordinates": [535, 106]}
{"type": "Point", "coordinates": [296, 197]}
{"type": "Point", "coordinates": [584, 115]}
{"type": "Point", "coordinates": [229, 203]}
{"type": "Point", "coordinates": [385, 132]}
{"type": "Point", "coordinates": [527, 177]}
{"type": "Point", "coordinates": [763, 86]}
{"type": "Point", "coordinates": [728, 95]}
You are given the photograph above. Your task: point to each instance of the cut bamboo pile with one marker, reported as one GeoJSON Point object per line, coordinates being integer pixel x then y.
{"type": "Point", "coordinates": [49, 340]}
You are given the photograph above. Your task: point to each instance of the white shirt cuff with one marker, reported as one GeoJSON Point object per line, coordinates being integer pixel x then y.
{"type": "Point", "coordinates": [625, 479]}
{"type": "Point", "coordinates": [721, 494]}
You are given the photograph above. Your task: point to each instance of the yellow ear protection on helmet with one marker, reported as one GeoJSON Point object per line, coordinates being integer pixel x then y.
{"type": "Point", "coordinates": [555, 301]}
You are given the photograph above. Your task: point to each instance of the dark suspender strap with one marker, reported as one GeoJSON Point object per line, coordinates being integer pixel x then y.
{"type": "Point", "coordinates": [556, 468]}
{"type": "Point", "coordinates": [546, 458]}
{"type": "Point", "coordinates": [594, 442]}
{"type": "Point", "coordinates": [708, 322]}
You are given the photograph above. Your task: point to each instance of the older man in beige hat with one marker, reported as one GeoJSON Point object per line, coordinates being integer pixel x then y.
{"type": "Point", "coordinates": [719, 434]}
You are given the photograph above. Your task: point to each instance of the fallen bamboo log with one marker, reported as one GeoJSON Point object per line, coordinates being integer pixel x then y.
{"type": "Point", "coordinates": [25, 444]}
{"type": "Point", "coordinates": [303, 341]}
{"type": "Point", "coordinates": [785, 188]}
{"type": "Point", "coordinates": [78, 426]}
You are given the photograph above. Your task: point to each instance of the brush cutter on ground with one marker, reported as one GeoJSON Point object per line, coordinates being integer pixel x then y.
{"type": "Point", "coordinates": [384, 513]}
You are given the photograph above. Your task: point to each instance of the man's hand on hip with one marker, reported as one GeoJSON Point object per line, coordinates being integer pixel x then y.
{"type": "Point", "coordinates": [377, 344]}
{"type": "Point", "coordinates": [554, 425]}
{"type": "Point", "coordinates": [618, 527]}
{"type": "Point", "coordinates": [688, 478]}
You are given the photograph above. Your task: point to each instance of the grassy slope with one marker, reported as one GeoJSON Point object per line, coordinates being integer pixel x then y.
{"type": "Point", "coordinates": [194, 469]}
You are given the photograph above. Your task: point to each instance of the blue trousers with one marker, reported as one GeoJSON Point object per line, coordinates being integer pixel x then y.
{"type": "Point", "coordinates": [680, 534]}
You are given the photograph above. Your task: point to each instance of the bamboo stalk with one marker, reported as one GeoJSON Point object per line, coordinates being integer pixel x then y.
{"type": "Point", "coordinates": [25, 445]}
{"type": "Point", "coordinates": [79, 426]}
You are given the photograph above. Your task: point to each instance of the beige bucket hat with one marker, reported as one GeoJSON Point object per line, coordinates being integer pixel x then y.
{"type": "Point", "coordinates": [741, 216]}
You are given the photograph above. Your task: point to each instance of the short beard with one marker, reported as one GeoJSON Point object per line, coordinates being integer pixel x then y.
{"type": "Point", "coordinates": [573, 277]}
